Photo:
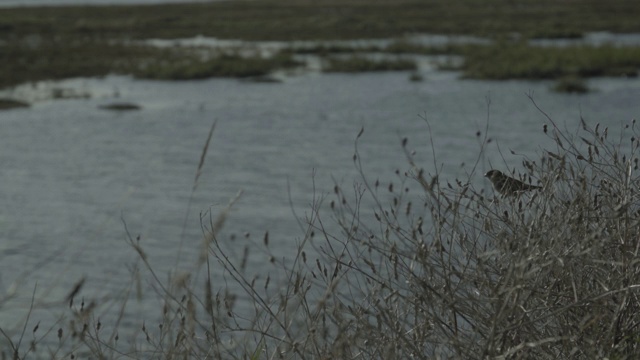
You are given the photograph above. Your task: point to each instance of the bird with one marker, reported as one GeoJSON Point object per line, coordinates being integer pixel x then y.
{"type": "Point", "coordinates": [508, 186]}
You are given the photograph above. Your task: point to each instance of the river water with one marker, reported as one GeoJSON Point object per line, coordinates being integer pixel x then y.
{"type": "Point", "coordinates": [72, 172]}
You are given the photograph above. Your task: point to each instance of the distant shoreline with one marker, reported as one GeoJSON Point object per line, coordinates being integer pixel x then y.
{"type": "Point", "coordinates": [58, 42]}
{"type": "Point", "coordinates": [55, 3]}
{"type": "Point", "coordinates": [327, 20]}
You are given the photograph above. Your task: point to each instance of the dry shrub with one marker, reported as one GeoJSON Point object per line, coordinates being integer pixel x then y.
{"type": "Point", "coordinates": [454, 272]}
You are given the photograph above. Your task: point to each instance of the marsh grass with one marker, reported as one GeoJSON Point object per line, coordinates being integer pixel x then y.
{"type": "Point", "coordinates": [56, 58]}
{"type": "Point", "coordinates": [224, 65]}
{"type": "Point", "coordinates": [518, 60]}
{"type": "Point", "coordinates": [6, 103]}
{"type": "Point", "coordinates": [395, 47]}
{"type": "Point", "coordinates": [50, 43]}
{"type": "Point", "coordinates": [417, 267]}
{"type": "Point", "coordinates": [407, 47]}
{"type": "Point", "coordinates": [571, 84]}
{"type": "Point", "coordinates": [327, 20]}
{"type": "Point", "coordinates": [323, 49]}
{"type": "Point", "coordinates": [359, 63]}
{"type": "Point", "coordinates": [51, 58]}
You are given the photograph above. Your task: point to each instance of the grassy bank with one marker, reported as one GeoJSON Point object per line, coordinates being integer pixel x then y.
{"type": "Point", "coordinates": [220, 66]}
{"type": "Point", "coordinates": [326, 20]}
{"type": "Point", "coordinates": [55, 59]}
{"type": "Point", "coordinates": [500, 60]}
{"type": "Point", "coordinates": [60, 42]}
{"type": "Point", "coordinates": [518, 60]}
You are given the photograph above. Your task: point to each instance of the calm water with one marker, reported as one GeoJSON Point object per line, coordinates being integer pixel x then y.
{"type": "Point", "coordinates": [71, 171]}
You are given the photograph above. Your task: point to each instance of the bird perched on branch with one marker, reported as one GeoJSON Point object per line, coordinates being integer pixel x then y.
{"type": "Point", "coordinates": [508, 186]}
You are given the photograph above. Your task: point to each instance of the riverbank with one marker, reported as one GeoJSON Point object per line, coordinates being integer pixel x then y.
{"type": "Point", "coordinates": [43, 43]}
{"type": "Point", "coordinates": [327, 20]}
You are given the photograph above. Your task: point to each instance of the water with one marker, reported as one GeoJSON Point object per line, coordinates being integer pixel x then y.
{"type": "Point", "coordinates": [71, 171]}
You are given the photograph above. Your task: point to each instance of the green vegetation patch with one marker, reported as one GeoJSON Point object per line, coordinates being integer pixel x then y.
{"type": "Point", "coordinates": [53, 58]}
{"type": "Point", "coordinates": [571, 84]}
{"type": "Point", "coordinates": [363, 64]}
{"type": "Point", "coordinates": [325, 49]}
{"type": "Point", "coordinates": [6, 104]}
{"type": "Point", "coordinates": [120, 106]}
{"type": "Point", "coordinates": [396, 47]}
{"type": "Point", "coordinates": [328, 20]}
{"type": "Point", "coordinates": [221, 66]}
{"type": "Point", "coordinates": [407, 47]}
{"type": "Point", "coordinates": [522, 61]}
{"type": "Point", "coordinates": [51, 43]}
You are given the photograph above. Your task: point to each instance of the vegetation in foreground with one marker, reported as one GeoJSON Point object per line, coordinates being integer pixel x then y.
{"type": "Point", "coordinates": [419, 267]}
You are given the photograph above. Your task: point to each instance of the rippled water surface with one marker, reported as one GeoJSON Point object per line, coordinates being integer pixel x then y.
{"type": "Point", "coordinates": [71, 171]}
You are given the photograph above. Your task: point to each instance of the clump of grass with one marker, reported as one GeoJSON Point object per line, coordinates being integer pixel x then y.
{"type": "Point", "coordinates": [364, 64]}
{"type": "Point", "coordinates": [220, 66]}
{"type": "Point", "coordinates": [407, 47]}
{"type": "Point", "coordinates": [56, 58]}
{"type": "Point", "coordinates": [120, 106]}
{"type": "Point", "coordinates": [509, 60]}
{"type": "Point", "coordinates": [396, 47]}
{"type": "Point", "coordinates": [416, 77]}
{"type": "Point", "coordinates": [6, 104]}
{"type": "Point", "coordinates": [326, 49]}
{"type": "Point", "coordinates": [571, 84]}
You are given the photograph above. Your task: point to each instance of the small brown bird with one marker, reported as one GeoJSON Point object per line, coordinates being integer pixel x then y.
{"type": "Point", "coordinates": [508, 186]}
